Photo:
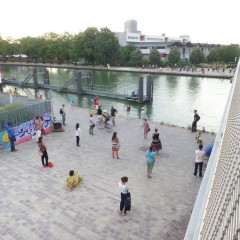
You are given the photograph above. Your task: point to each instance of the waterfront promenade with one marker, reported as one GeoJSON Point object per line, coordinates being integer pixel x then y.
{"type": "Point", "coordinates": [35, 203]}
{"type": "Point", "coordinates": [161, 71]}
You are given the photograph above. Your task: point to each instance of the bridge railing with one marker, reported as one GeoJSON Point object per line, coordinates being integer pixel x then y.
{"type": "Point", "coordinates": [104, 88]}
{"type": "Point", "coordinates": [216, 213]}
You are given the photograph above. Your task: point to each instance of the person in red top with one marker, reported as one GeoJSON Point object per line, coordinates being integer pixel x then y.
{"type": "Point", "coordinates": [96, 102]}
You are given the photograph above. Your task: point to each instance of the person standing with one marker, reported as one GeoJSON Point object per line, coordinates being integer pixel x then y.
{"type": "Point", "coordinates": [11, 136]}
{"type": "Point", "coordinates": [77, 133]}
{"type": "Point", "coordinates": [199, 154]}
{"type": "Point", "coordinates": [42, 148]}
{"type": "Point", "coordinates": [143, 116]}
{"type": "Point", "coordinates": [150, 158]}
{"type": "Point", "coordinates": [113, 115]}
{"type": "Point", "coordinates": [146, 128]}
{"type": "Point", "coordinates": [41, 119]}
{"type": "Point", "coordinates": [125, 196]}
{"type": "Point", "coordinates": [115, 145]}
{"type": "Point", "coordinates": [128, 110]}
{"type": "Point", "coordinates": [91, 124]}
{"type": "Point", "coordinates": [156, 142]}
{"type": "Point", "coordinates": [196, 118]}
{"type": "Point", "coordinates": [99, 113]}
{"type": "Point", "coordinates": [96, 102]}
{"type": "Point", "coordinates": [37, 127]}
{"type": "Point", "coordinates": [72, 101]}
{"type": "Point", "coordinates": [63, 114]}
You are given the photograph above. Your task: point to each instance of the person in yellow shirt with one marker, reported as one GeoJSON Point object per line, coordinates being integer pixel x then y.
{"type": "Point", "coordinates": [73, 179]}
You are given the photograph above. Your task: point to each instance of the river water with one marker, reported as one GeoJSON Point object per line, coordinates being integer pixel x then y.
{"type": "Point", "coordinates": [174, 97]}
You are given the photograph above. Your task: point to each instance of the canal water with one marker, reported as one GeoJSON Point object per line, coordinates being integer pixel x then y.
{"type": "Point", "coordinates": [174, 97]}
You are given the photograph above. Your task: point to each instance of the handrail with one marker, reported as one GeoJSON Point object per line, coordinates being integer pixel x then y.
{"type": "Point", "coordinates": [198, 227]}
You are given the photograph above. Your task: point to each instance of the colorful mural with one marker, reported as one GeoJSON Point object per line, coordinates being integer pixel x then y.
{"type": "Point", "coordinates": [24, 131]}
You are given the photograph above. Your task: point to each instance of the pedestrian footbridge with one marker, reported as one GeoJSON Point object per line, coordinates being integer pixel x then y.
{"type": "Point", "coordinates": [216, 213]}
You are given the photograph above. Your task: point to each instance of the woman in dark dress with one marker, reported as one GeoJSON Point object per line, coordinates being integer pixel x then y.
{"type": "Point", "coordinates": [156, 142]}
{"type": "Point", "coordinates": [42, 148]}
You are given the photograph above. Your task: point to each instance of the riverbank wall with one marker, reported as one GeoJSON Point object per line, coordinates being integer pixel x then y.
{"type": "Point", "coordinates": [159, 71]}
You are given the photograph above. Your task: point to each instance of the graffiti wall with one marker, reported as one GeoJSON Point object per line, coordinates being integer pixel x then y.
{"type": "Point", "coordinates": [24, 131]}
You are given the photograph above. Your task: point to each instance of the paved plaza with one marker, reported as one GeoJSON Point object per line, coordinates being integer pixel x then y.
{"type": "Point", "coordinates": [35, 203]}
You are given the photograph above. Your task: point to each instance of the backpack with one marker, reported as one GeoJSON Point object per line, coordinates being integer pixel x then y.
{"type": "Point", "coordinates": [61, 111]}
{"type": "Point", "coordinates": [197, 117]}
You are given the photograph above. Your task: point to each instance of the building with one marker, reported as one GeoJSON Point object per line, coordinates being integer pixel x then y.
{"type": "Point", "coordinates": [132, 37]}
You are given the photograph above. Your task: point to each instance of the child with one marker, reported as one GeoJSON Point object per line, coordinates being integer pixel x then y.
{"type": "Point", "coordinates": [73, 179]}
{"type": "Point", "coordinates": [199, 137]}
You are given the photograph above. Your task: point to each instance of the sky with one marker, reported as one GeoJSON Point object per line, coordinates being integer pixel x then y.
{"type": "Point", "coordinates": [205, 21]}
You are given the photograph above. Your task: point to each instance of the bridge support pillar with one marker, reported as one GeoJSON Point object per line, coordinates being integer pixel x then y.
{"type": "Point", "coordinates": [79, 83]}
{"type": "Point", "coordinates": [149, 88]}
{"type": "Point", "coordinates": [35, 81]}
{"type": "Point", "coordinates": [140, 90]}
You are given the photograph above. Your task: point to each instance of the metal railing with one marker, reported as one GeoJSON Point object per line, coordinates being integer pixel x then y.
{"type": "Point", "coordinates": [30, 109]}
{"type": "Point", "coordinates": [216, 213]}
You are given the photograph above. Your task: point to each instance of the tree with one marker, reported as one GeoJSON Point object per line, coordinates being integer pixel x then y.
{"type": "Point", "coordinates": [136, 58]}
{"type": "Point", "coordinates": [107, 47]}
{"type": "Point", "coordinates": [125, 55]}
{"type": "Point", "coordinates": [228, 53]}
{"type": "Point", "coordinates": [213, 55]}
{"type": "Point", "coordinates": [155, 57]}
{"type": "Point", "coordinates": [174, 56]}
{"type": "Point", "coordinates": [89, 37]}
{"type": "Point", "coordinates": [196, 56]}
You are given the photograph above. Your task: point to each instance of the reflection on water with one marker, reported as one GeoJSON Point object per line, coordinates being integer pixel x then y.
{"type": "Point", "coordinates": [174, 97]}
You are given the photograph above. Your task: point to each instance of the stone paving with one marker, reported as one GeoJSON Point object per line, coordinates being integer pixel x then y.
{"type": "Point", "coordinates": [35, 204]}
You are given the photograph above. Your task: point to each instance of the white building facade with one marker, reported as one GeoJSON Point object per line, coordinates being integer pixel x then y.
{"type": "Point", "coordinates": [164, 44]}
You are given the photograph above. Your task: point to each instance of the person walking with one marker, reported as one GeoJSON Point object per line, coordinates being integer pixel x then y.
{"type": "Point", "coordinates": [150, 158]}
{"type": "Point", "coordinates": [128, 110]}
{"type": "Point", "coordinates": [146, 128]}
{"type": "Point", "coordinates": [125, 203]}
{"type": "Point", "coordinates": [143, 116]}
{"type": "Point", "coordinates": [91, 124]}
{"type": "Point", "coordinates": [77, 133]}
{"type": "Point", "coordinates": [115, 145]}
{"type": "Point", "coordinates": [156, 142]}
{"type": "Point", "coordinates": [11, 136]}
{"type": "Point", "coordinates": [199, 154]}
{"type": "Point", "coordinates": [63, 112]}
{"type": "Point", "coordinates": [196, 118]}
{"type": "Point", "coordinates": [42, 148]}
{"type": "Point", "coordinates": [113, 115]}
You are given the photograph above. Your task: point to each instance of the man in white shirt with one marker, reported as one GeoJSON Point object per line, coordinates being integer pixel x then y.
{"type": "Point", "coordinates": [199, 160]}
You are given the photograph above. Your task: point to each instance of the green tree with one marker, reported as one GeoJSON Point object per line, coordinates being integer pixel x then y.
{"type": "Point", "coordinates": [77, 49]}
{"type": "Point", "coordinates": [174, 56]}
{"type": "Point", "coordinates": [213, 56]}
{"type": "Point", "coordinates": [196, 56]}
{"type": "Point", "coordinates": [89, 37]}
{"type": "Point", "coordinates": [155, 57]}
{"type": "Point", "coordinates": [228, 53]}
{"type": "Point", "coordinates": [107, 47]}
{"type": "Point", "coordinates": [136, 58]}
{"type": "Point", "coordinates": [125, 55]}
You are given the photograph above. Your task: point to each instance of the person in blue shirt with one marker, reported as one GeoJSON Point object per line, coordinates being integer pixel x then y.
{"type": "Point", "coordinates": [150, 158]}
{"type": "Point", "coordinates": [11, 136]}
